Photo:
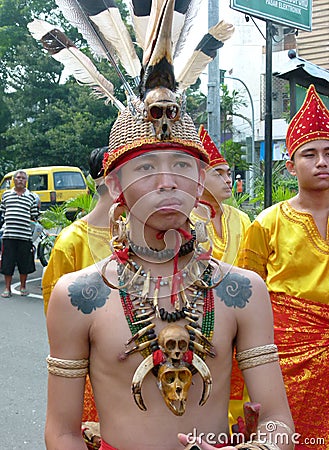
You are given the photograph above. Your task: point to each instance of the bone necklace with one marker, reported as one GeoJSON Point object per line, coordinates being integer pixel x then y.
{"type": "Point", "coordinates": [178, 352]}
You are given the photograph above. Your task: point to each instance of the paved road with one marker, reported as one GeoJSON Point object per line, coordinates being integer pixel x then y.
{"type": "Point", "coordinates": [23, 373]}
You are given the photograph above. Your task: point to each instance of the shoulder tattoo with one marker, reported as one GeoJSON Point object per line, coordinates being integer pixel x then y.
{"type": "Point", "coordinates": [88, 293]}
{"type": "Point", "coordinates": [234, 290]}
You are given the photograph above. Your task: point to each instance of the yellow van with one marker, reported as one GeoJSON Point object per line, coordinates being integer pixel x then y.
{"type": "Point", "coordinates": [53, 184]}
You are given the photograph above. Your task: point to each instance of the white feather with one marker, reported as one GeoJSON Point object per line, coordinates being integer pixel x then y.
{"type": "Point", "coordinates": [199, 60]}
{"type": "Point", "coordinates": [73, 12]}
{"type": "Point", "coordinates": [111, 26]}
{"type": "Point", "coordinates": [77, 64]}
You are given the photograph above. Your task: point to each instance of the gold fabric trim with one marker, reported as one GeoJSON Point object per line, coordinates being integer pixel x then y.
{"type": "Point", "coordinates": [257, 356]}
{"type": "Point", "coordinates": [69, 368]}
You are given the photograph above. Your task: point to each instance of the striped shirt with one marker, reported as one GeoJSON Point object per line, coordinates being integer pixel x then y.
{"type": "Point", "coordinates": [18, 211]}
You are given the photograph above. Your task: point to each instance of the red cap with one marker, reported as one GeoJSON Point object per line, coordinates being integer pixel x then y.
{"type": "Point", "coordinates": [216, 158]}
{"type": "Point", "coordinates": [310, 123]}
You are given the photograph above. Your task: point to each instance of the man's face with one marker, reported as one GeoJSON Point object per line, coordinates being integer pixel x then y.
{"type": "Point", "coordinates": [20, 180]}
{"type": "Point", "coordinates": [160, 187]}
{"type": "Point", "coordinates": [218, 184]}
{"type": "Point", "coordinates": [311, 165]}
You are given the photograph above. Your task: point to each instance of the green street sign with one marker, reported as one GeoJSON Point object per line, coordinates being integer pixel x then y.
{"type": "Point", "coordinates": [294, 13]}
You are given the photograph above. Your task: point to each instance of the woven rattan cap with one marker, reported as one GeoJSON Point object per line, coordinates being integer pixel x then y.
{"type": "Point", "coordinates": [131, 132]}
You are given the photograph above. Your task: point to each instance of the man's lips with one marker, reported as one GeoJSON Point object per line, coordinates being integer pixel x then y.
{"type": "Point", "coordinates": [322, 174]}
{"type": "Point", "coordinates": [171, 203]}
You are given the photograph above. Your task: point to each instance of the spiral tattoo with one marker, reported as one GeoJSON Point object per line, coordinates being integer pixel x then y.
{"type": "Point", "coordinates": [234, 290]}
{"type": "Point", "coordinates": [88, 293]}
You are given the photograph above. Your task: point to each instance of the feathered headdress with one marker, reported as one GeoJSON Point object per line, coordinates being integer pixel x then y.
{"type": "Point", "coordinates": [155, 115]}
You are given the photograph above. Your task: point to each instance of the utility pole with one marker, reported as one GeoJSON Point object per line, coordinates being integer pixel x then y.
{"type": "Point", "coordinates": [213, 102]}
{"type": "Point", "coordinates": [268, 117]}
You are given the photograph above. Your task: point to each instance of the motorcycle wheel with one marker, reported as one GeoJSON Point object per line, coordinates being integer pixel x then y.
{"type": "Point", "coordinates": [44, 250]}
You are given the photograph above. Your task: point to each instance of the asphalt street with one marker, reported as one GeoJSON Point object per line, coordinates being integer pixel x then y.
{"type": "Point", "coordinates": [23, 375]}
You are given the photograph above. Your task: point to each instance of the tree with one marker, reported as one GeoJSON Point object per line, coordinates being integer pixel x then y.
{"type": "Point", "coordinates": [46, 121]}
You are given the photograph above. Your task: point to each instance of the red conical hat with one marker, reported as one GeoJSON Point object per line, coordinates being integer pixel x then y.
{"type": "Point", "coordinates": [310, 123]}
{"type": "Point", "coordinates": [216, 158]}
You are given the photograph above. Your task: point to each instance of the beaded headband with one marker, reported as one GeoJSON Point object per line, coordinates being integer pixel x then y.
{"type": "Point", "coordinates": [310, 123]}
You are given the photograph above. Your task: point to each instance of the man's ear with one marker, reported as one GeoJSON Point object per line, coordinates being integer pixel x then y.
{"type": "Point", "coordinates": [290, 165]}
{"type": "Point", "coordinates": [201, 181]}
{"type": "Point", "coordinates": [113, 184]}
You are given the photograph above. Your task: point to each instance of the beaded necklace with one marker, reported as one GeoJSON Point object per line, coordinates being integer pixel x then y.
{"type": "Point", "coordinates": [140, 310]}
{"type": "Point", "coordinates": [179, 351]}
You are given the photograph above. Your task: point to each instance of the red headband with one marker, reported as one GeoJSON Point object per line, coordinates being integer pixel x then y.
{"type": "Point", "coordinates": [146, 148]}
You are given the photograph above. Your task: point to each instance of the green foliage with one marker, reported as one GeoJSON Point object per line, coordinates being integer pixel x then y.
{"type": "Point", "coordinates": [235, 153]}
{"type": "Point", "coordinates": [55, 218]}
{"type": "Point", "coordinates": [284, 186]}
{"type": "Point", "coordinates": [83, 204]}
{"type": "Point", "coordinates": [44, 121]}
{"type": "Point", "coordinates": [230, 104]}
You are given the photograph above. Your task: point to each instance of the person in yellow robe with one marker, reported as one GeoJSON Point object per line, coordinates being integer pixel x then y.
{"type": "Point", "coordinates": [228, 225]}
{"type": "Point", "coordinates": [86, 240]}
{"type": "Point", "coordinates": [226, 231]}
{"type": "Point", "coordinates": [81, 244]}
{"type": "Point", "coordinates": [288, 245]}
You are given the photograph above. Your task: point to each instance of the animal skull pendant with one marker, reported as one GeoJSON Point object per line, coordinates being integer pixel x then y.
{"type": "Point", "coordinates": [174, 378]}
{"type": "Point", "coordinates": [173, 341]}
{"type": "Point", "coordinates": [174, 383]}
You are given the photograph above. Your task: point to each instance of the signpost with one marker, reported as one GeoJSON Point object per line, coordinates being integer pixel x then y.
{"type": "Point", "coordinates": [294, 13]}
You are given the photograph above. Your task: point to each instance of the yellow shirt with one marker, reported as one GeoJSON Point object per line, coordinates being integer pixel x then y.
{"type": "Point", "coordinates": [234, 225]}
{"type": "Point", "coordinates": [77, 246]}
{"type": "Point", "coordinates": [285, 248]}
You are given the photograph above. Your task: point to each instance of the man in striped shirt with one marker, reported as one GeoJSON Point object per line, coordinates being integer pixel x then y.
{"type": "Point", "coordinates": [18, 207]}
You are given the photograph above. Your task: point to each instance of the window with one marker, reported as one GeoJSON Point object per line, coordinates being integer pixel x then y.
{"type": "Point", "coordinates": [38, 182]}
{"type": "Point", "coordinates": [5, 184]}
{"type": "Point", "coordinates": [68, 180]}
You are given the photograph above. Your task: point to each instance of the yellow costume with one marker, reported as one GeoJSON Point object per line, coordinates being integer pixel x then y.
{"type": "Point", "coordinates": [226, 248]}
{"type": "Point", "coordinates": [77, 246]}
{"type": "Point", "coordinates": [234, 225]}
{"type": "Point", "coordinates": [285, 248]}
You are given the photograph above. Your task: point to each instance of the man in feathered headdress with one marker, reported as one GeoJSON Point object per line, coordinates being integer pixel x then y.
{"type": "Point", "coordinates": [288, 245]}
{"type": "Point", "coordinates": [156, 324]}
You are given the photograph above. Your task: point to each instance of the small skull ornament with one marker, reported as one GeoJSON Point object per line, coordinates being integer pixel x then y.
{"type": "Point", "coordinates": [174, 341]}
{"type": "Point", "coordinates": [162, 109]}
{"type": "Point", "coordinates": [174, 383]}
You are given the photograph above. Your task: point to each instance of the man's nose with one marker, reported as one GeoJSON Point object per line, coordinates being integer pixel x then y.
{"type": "Point", "coordinates": [323, 160]}
{"type": "Point", "coordinates": [166, 180]}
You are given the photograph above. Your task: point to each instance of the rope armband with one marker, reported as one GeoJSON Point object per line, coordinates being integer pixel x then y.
{"type": "Point", "coordinates": [257, 356]}
{"type": "Point", "coordinates": [68, 368]}
{"type": "Point", "coordinates": [254, 445]}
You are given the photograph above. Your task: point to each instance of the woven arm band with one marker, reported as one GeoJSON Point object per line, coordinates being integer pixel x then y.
{"type": "Point", "coordinates": [69, 368]}
{"type": "Point", "coordinates": [254, 445]}
{"type": "Point", "coordinates": [257, 356]}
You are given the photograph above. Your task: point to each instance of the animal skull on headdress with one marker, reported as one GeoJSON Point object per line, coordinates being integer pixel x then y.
{"type": "Point", "coordinates": [162, 109]}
